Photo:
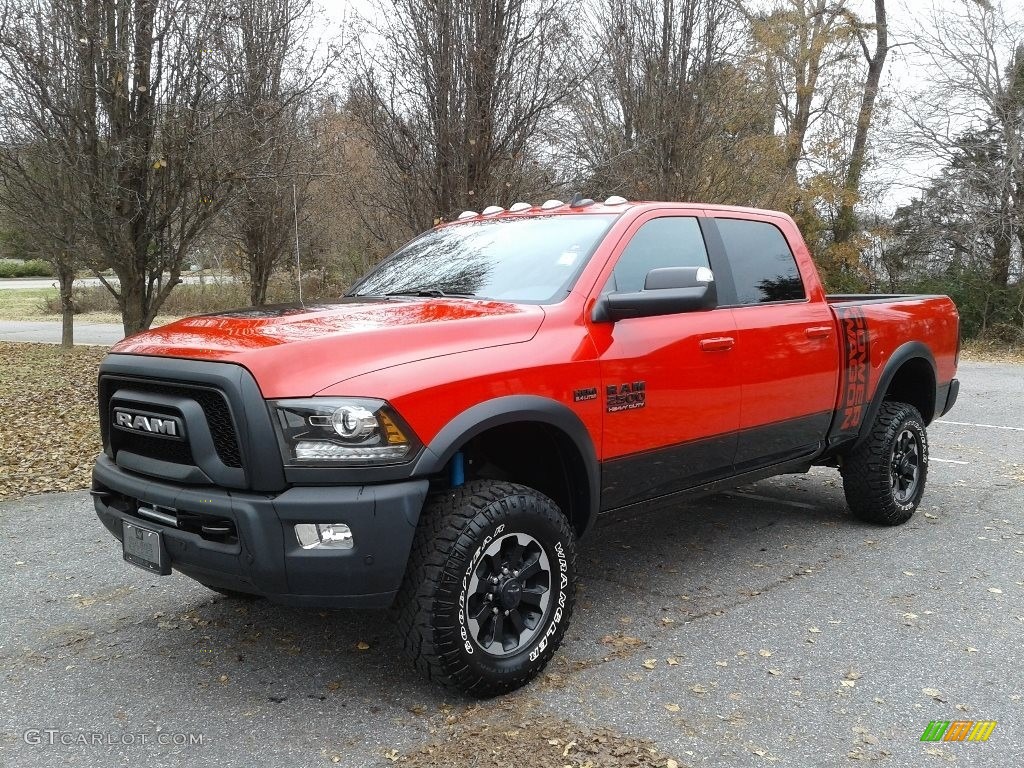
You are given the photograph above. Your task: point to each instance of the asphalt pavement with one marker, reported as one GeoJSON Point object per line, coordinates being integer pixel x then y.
{"type": "Point", "coordinates": [48, 332]}
{"type": "Point", "coordinates": [764, 627]}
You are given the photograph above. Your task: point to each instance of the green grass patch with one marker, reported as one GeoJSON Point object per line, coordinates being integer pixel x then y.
{"type": "Point", "coordinates": [25, 303]}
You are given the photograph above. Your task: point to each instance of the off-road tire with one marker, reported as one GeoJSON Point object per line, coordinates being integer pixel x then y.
{"type": "Point", "coordinates": [454, 532]}
{"type": "Point", "coordinates": [868, 470]}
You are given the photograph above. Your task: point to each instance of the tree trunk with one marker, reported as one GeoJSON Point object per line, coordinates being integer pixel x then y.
{"type": "Point", "coordinates": [259, 277]}
{"type": "Point", "coordinates": [132, 299]}
{"type": "Point", "coordinates": [846, 222]}
{"type": "Point", "coordinates": [65, 281]}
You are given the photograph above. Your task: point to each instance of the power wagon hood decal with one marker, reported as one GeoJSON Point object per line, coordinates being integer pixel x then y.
{"type": "Point", "coordinates": [297, 351]}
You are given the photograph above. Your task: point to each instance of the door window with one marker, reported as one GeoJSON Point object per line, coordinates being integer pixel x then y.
{"type": "Point", "coordinates": [672, 241]}
{"type": "Point", "coordinates": [762, 263]}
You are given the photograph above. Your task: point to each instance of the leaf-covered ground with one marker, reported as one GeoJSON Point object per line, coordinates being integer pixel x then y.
{"type": "Point", "coordinates": [516, 734]}
{"type": "Point", "coordinates": [49, 434]}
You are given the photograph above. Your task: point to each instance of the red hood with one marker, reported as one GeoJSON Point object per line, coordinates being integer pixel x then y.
{"type": "Point", "coordinates": [298, 351]}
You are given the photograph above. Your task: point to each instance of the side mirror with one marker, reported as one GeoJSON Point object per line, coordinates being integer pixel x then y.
{"type": "Point", "coordinates": [667, 291]}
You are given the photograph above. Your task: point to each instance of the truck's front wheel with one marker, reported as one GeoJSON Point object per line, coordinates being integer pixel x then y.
{"type": "Point", "coordinates": [490, 587]}
{"type": "Point", "coordinates": [884, 477]}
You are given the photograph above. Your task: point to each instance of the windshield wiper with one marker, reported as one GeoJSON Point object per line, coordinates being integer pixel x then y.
{"type": "Point", "coordinates": [432, 292]}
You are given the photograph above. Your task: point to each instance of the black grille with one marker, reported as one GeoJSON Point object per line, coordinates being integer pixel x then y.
{"type": "Point", "coordinates": [174, 451]}
{"type": "Point", "coordinates": [222, 428]}
{"type": "Point", "coordinates": [215, 408]}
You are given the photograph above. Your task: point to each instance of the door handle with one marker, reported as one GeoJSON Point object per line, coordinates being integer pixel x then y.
{"type": "Point", "coordinates": [717, 344]}
{"type": "Point", "coordinates": [819, 332]}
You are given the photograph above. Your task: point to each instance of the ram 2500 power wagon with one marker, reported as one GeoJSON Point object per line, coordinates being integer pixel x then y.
{"type": "Point", "coordinates": [439, 439]}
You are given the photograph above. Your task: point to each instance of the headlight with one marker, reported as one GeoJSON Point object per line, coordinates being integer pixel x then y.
{"type": "Point", "coordinates": [335, 431]}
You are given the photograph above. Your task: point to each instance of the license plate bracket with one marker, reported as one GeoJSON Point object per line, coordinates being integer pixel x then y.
{"type": "Point", "coordinates": [144, 547]}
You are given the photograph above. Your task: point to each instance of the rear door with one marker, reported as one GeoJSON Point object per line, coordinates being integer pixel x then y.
{"type": "Point", "coordinates": [669, 383]}
{"type": "Point", "coordinates": [786, 346]}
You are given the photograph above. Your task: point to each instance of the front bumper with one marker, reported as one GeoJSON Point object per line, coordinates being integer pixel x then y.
{"type": "Point", "coordinates": [261, 554]}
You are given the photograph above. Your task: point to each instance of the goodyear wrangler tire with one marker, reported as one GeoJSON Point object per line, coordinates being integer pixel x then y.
{"type": "Point", "coordinates": [489, 588]}
{"type": "Point", "coordinates": [884, 477]}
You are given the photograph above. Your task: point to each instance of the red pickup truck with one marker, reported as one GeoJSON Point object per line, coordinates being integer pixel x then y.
{"type": "Point", "coordinates": [439, 439]}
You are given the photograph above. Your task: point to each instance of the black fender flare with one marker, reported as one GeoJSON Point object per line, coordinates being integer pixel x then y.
{"type": "Point", "coordinates": [911, 350]}
{"type": "Point", "coordinates": [507, 410]}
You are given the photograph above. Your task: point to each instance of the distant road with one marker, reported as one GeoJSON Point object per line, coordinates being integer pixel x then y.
{"type": "Point", "coordinates": [36, 283]}
{"type": "Point", "coordinates": [48, 332]}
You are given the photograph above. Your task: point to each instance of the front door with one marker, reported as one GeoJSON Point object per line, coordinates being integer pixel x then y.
{"type": "Point", "coordinates": [669, 383]}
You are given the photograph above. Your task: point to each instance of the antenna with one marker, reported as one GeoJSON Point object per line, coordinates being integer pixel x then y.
{"type": "Point", "coordinates": [298, 262]}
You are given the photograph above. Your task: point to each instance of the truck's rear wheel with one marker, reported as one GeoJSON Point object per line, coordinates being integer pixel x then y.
{"type": "Point", "coordinates": [884, 477]}
{"type": "Point", "coordinates": [489, 588]}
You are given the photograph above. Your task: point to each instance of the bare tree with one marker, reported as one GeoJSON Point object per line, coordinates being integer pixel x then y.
{"type": "Point", "coordinates": [804, 47]}
{"type": "Point", "coordinates": [35, 143]}
{"type": "Point", "coordinates": [846, 223]}
{"type": "Point", "coordinates": [452, 97]}
{"type": "Point", "coordinates": [280, 69]}
{"type": "Point", "coordinates": [973, 106]}
{"type": "Point", "coordinates": [669, 113]}
{"type": "Point", "coordinates": [129, 119]}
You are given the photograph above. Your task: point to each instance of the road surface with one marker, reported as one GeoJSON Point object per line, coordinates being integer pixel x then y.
{"type": "Point", "coordinates": [779, 631]}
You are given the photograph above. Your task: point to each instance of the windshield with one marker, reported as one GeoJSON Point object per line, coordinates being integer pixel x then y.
{"type": "Point", "coordinates": [530, 259]}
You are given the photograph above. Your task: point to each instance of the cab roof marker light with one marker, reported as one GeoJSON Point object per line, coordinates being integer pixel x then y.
{"type": "Point", "coordinates": [468, 214]}
{"type": "Point", "coordinates": [490, 210]}
{"type": "Point", "coordinates": [517, 207]}
{"type": "Point", "coordinates": [615, 200]}
{"type": "Point", "coordinates": [549, 204]}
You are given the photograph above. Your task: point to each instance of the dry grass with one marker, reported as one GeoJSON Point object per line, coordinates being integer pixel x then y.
{"type": "Point", "coordinates": [49, 434]}
{"type": "Point", "coordinates": [992, 352]}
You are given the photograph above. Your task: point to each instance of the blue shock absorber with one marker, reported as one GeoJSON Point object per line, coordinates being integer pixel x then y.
{"type": "Point", "coordinates": [458, 470]}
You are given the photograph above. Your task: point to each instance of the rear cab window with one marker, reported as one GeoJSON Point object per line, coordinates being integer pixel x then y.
{"type": "Point", "coordinates": [763, 266]}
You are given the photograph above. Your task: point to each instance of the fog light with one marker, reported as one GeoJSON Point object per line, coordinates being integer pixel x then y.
{"type": "Point", "coordinates": [324, 535]}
